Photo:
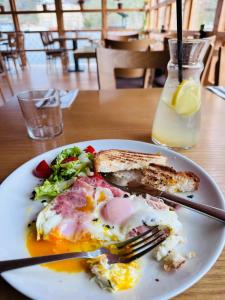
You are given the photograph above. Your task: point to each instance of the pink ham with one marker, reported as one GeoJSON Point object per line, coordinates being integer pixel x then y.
{"type": "Point", "coordinates": [117, 210]}
{"type": "Point", "coordinates": [156, 203]}
{"type": "Point", "coordinates": [66, 203]}
{"type": "Point", "coordinates": [138, 230]}
{"type": "Point", "coordinates": [98, 182]}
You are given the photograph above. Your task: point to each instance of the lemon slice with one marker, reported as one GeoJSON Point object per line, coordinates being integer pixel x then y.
{"type": "Point", "coordinates": [187, 98]}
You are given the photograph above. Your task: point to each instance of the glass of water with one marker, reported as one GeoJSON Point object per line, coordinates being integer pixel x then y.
{"type": "Point", "coordinates": [42, 113]}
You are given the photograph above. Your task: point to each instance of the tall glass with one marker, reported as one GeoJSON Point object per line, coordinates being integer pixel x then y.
{"type": "Point", "coordinates": [177, 119]}
{"type": "Point", "coordinates": [42, 113]}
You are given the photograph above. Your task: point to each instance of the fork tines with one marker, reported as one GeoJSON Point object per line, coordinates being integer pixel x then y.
{"type": "Point", "coordinates": [141, 244]}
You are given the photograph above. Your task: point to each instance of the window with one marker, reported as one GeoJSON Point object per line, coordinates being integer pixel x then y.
{"type": "Point", "coordinates": [173, 19]}
{"type": "Point", "coordinates": [74, 5]}
{"type": "Point", "coordinates": [79, 20]}
{"type": "Point", "coordinates": [203, 13]}
{"type": "Point", "coordinates": [126, 4]}
{"type": "Point", "coordinates": [161, 17]}
{"type": "Point", "coordinates": [128, 20]}
{"type": "Point", "coordinates": [35, 22]}
{"type": "Point", "coordinates": [69, 5]}
{"type": "Point", "coordinates": [6, 23]}
{"type": "Point", "coordinates": [34, 5]}
{"type": "Point", "coordinates": [93, 4]}
{"type": "Point", "coordinates": [5, 4]}
{"type": "Point", "coordinates": [153, 19]}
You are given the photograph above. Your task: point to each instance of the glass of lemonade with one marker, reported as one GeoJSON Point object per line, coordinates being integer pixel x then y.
{"type": "Point", "coordinates": [177, 119]}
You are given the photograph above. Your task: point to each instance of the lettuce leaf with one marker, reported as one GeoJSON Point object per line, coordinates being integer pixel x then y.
{"type": "Point", "coordinates": [64, 173]}
{"type": "Point", "coordinates": [50, 190]}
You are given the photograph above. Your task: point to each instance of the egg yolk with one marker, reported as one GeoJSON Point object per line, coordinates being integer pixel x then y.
{"type": "Point", "coordinates": [55, 246]}
{"type": "Point", "coordinates": [89, 207]}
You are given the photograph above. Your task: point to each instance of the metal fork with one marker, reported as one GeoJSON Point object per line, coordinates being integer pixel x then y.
{"type": "Point", "coordinates": [128, 251]}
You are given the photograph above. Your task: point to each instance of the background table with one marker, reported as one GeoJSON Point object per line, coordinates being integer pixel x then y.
{"type": "Point", "coordinates": [124, 114]}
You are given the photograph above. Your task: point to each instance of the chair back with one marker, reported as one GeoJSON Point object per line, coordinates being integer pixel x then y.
{"type": "Point", "coordinates": [20, 41]}
{"type": "Point", "coordinates": [134, 45]}
{"type": "Point", "coordinates": [50, 37]}
{"type": "Point", "coordinates": [207, 59]}
{"type": "Point", "coordinates": [108, 60]}
{"type": "Point", "coordinates": [2, 65]}
{"type": "Point", "coordinates": [12, 40]}
{"type": "Point", "coordinates": [124, 38]}
{"type": "Point", "coordinates": [16, 41]}
{"type": "Point", "coordinates": [44, 38]}
{"type": "Point", "coordinates": [220, 67]}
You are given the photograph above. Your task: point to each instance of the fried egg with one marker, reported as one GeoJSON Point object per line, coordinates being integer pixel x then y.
{"type": "Point", "coordinates": [92, 214]}
{"type": "Point", "coordinates": [114, 277]}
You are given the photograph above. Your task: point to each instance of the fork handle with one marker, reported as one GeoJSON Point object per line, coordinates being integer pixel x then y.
{"type": "Point", "coordinates": [210, 211]}
{"type": "Point", "coordinates": [26, 262]}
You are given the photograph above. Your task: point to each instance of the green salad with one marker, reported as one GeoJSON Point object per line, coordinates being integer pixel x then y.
{"type": "Point", "coordinates": [62, 171]}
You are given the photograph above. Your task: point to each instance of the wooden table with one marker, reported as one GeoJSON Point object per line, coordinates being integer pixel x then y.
{"type": "Point", "coordinates": [124, 114]}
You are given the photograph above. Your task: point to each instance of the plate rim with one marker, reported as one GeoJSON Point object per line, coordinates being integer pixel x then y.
{"type": "Point", "coordinates": [206, 267]}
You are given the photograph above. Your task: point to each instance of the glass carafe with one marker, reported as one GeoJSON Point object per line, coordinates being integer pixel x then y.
{"type": "Point", "coordinates": [177, 119]}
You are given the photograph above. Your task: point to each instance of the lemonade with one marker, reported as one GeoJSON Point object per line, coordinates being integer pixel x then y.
{"type": "Point", "coordinates": [177, 119]}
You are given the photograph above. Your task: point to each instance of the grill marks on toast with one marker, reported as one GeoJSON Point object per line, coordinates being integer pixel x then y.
{"type": "Point", "coordinates": [115, 160]}
{"type": "Point", "coordinates": [167, 178]}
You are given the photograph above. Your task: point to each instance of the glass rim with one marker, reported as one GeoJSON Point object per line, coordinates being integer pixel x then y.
{"type": "Point", "coordinates": [21, 95]}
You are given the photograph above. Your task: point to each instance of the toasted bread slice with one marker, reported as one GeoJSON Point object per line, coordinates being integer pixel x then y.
{"type": "Point", "coordinates": [118, 160]}
{"type": "Point", "coordinates": [161, 177]}
{"type": "Point", "coordinates": [168, 179]}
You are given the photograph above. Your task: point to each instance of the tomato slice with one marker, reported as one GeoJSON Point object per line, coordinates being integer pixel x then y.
{"type": "Point", "coordinates": [42, 170]}
{"type": "Point", "coordinates": [68, 159]}
{"type": "Point", "coordinates": [90, 149]}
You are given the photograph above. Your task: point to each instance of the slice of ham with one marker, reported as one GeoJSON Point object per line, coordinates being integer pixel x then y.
{"type": "Point", "coordinates": [98, 182]}
{"type": "Point", "coordinates": [76, 197]}
{"type": "Point", "coordinates": [156, 203]}
{"type": "Point", "coordinates": [138, 230]}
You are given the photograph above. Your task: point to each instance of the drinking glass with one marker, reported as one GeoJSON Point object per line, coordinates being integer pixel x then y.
{"type": "Point", "coordinates": [42, 113]}
{"type": "Point", "coordinates": [171, 128]}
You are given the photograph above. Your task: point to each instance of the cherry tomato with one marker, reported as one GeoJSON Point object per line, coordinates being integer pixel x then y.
{"type": "Point", "coordinates": [42, 170]}
{"type": "Point", "coordinates": [90, 149]}
{"type": "Point", "coordinates": [68, 159]}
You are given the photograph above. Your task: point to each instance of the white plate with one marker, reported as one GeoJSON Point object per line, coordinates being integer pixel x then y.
{"type": "Point", "coordinates": [204, 236]}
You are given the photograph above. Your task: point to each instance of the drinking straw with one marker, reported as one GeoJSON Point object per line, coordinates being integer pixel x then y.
{"type": "Point", "coordinates": [179, 39]}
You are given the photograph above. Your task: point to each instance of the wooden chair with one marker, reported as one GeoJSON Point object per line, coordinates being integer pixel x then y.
{"type": "Point", "coordinates": [108, 60]}
{"type": "Point", "coordinates": [123, 74]}
{"type": "Point", "coordinates": [220, 67]}
{"type": "Point", "coordinates": [4, 75]}
{"type": "Point", "coordinates": [51, 52]}
{"type": "Point", "coordinates": [124, 38]}
{"type": "Point", "coordinates": [207, 59]}
{"type": "Point", "coordinates": [15, 48]}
